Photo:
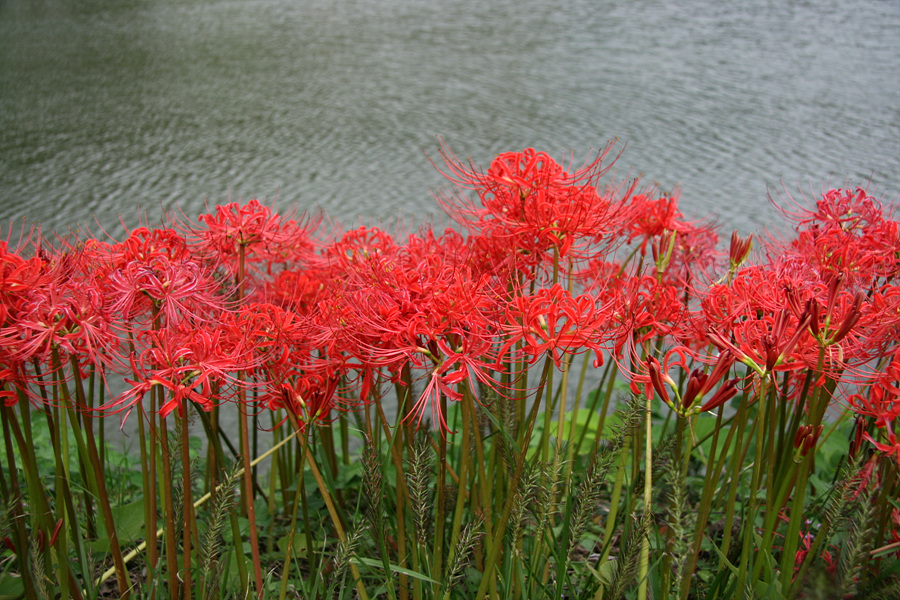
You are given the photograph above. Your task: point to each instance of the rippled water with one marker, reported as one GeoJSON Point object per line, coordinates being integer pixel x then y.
{"type": "Point", "coordinates": [108, 107]}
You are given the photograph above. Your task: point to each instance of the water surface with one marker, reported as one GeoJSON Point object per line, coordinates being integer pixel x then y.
{"type": "Point", "coordinates": [112, 108]}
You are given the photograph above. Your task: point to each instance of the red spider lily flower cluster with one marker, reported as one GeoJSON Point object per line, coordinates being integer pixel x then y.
{"type": "Point", "coordinates": [699, 383]}
{"type": "Point", "coordinates": [549, 264]}
{"type": "Point", "coordinates": [534, 210]}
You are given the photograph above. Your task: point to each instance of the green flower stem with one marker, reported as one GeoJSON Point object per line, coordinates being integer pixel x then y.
{"type": "Point", "coordinates": [56, 427]}
{"type": "Point", "coordinates": [169, 507]}
{"type": "Point", "coordinates": [615, 498]}
{"type": "Point", "coordinates": [95, 473]}
{"type": "Point", "coordinates": [247, 490]}
{"type": "Point", "coordinates": [755, 482]}
{"type": "Point", "coordinates": [737, 462]}
{"type": "Point", "coordinates": [282, 593]}
{"type": "Point", "coordinates": [199, 502]}
{"type": "Point", "coordinates": [774, 510]}
{"type": "Point", "coordinates": [644, 564]}
{"type": "Point", "coordinates": [18, 513]}
{"type": "Point", "coordinates": [329, 503]}
{"type": "Point", "coordinates": [605, 408]}
{"type": "Point", "coordinates": [464, 459]}
{"type": "Point", "coordinates": [574, 439]}
{"type": "Point", "coordinates": [187, 506]}
{"type": "Point", "coordinates": [595, 400]}
{"type": "Point", "coordinates": [148, 484]}
{"type": "Point", "coordinates": [485, 484]}
{"type": "Point", "coordinates": [705, 508]}
{"type": "Point", "coordinates": [563, 402]}
{"type": "Point", "coordinates": [500, 527]}
{"type": "Point", "coordinates": [209, 425]}
{"type": "Point", "coordinates": [440, 503]}
{"type": "Point", "coordinates": [796, 516]}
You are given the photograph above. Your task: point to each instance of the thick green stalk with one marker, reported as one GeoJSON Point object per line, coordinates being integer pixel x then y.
{"type": "Point", "coordinates": [18, 512]}
{"type": "Point", "coordinates": [187, 506]}
{"type": "Point", "coordinates": [500, 528]}
{"type": "Point", "coordinates": [329, 504]}
{"type": "Point", "coordinates": [461, 495]}
{"type": "Point", "coordinates": [245, 447]}
{"type": "Point", "coordinates": [169, 505]}
{"type": "Point", "coordinates": [756, 480]}
{"type": "Point", "coordinates": [644, 565]}
{"type": "Point", "coordinates": [705, 508]}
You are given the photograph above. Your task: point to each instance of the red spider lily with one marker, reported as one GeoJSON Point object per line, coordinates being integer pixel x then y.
{"type": "Point", "coordinates": [847, 233]}
{"type": "Point", "coordinates": [805, 440]}
{"type": "Point", "coordinates": [739, 250]}
{"type": "Point", "coordinates": [18, 276]}
{"type": "Point", "coordinates": [269, 332]}
{"type": "Point", "coordinates": [144, 245]}
{"type": "Point", "coordinates": [423, 304]}
{"type": "Point", "coordinates": [806, 541]}
{"type": "Point", "coordinates": [358, 245]}
{"type": "Point", "coordinates": [659, 223]}
{"type": "Point", "coordinates": [61, 310]}
{"type": "Point", "coordinates": [464, 364]}
{"type": "Point", "coordinates": [653, 216]}
{"type": "Point", "coordinates": [657, 374]}
{"type": "Point", "coordinates": [694, 255]}
{"type": "Point", "coordinates": [881, 399]}
{"type": "Point", "coordinates": [603, 275]}
{"type": "Point", "coordinates": [699, 383]}
{"type": "Point", "coordinates": [300, 289]}
{"type": "Point", "coordinates": [533, 206]}
{"type": "Point", "coordinates": [642, 309]}
{"type": "Point", "coordinates": [167, 290]}
{"type": "Point", "coordinates": [768, 344]}
{"type": "Point", "coordinates": [310, 398]}
{"type": "Point", "coordinates": [891, 448]}
{"type": "Point", "coordinates": [657, 377]}
{"type": "Point", "coordinates": [884, 311]}
{"type": "Point", "coordinates": [254, 229]}
{"type": "Point", "coordinates": [197, 364]}
{"type": "Point", "coordinates": [551, 320]}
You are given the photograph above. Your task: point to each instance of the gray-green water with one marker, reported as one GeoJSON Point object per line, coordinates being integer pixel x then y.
{"type": "Point", "coordinates": [111, 106]}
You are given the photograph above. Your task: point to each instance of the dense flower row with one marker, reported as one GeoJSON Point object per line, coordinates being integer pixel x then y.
{"type": "Point", "coordinates": [547, 263]}
{"type": "Point", "coordinates": [274, 312]}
